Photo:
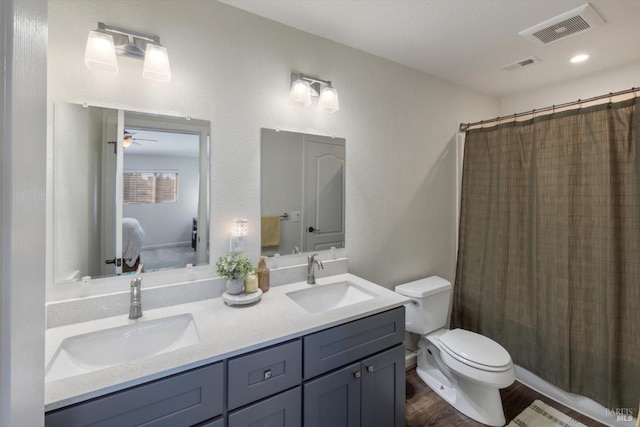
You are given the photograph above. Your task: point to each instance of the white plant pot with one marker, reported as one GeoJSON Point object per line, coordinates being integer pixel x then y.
{"type": "Point", "coordinates": [235, 286]}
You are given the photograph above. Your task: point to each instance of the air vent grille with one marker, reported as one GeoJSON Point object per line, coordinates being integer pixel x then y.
{"type": "Point", "coordinates": [562, 29]}
{"type": "Point", "coordinates": [520, 64]}
{"type": "Point", "coordinates": [571, 23]}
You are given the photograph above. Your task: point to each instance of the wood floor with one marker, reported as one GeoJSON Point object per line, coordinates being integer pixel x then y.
{"type": "Point", "coordinates": [425, 408]}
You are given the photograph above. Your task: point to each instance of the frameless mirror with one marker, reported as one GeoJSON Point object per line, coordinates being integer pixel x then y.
{"type": "Point", "coordinates": [302, 192]}
{"type": "Point", "coordinates": [130, 192]}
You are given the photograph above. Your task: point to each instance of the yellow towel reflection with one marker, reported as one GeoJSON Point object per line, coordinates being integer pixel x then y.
{"type": "Point", "coordinates": [270, 230]}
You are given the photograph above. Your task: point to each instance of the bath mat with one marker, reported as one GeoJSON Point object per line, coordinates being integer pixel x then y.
{"type": "Point", "coordinates": [539, 414]}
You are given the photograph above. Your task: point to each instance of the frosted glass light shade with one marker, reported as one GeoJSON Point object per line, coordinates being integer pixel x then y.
{"type": "Point", "coordinates": [328, 101]}
{"type": "Point", "coordinates": [300, 93]}
{"type": "Point", "coordinates": [100, 53]}
{"type": "Point", "coordinates": [239, 227]}
{"type": "Point", "coordinates": [156, 63]}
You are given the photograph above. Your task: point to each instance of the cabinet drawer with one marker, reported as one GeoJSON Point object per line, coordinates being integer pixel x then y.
{"type": "Point", "coordinates": [218, 422]}
{"type": "Point", "coordinates": [181, 400]}
{"type": "Point", "coordinates": [344, 344]}
{"type": "Point", "coordinates": [264, 373]}
{"type": "Point", "coordinates": [282, 410]}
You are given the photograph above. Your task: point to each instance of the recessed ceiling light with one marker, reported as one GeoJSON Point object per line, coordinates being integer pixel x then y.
{"type": "Point", "coordinates": [579, 58]}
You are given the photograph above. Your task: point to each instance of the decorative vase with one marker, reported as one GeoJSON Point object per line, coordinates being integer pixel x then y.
{"type": "Point", "coordinates": [235, 286]}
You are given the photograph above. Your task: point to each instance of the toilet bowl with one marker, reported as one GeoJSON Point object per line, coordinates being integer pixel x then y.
{"type": "Point", "coordinates": [466, 369]}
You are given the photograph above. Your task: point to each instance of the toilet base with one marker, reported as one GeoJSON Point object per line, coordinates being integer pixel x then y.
{"type": "Point", "coordinates": [476, 401]}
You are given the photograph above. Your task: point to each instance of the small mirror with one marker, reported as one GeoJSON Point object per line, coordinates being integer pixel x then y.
{"type": "Point", "coordinates": [302, 192]}
{"type": "Point", "coordinates": [130, 192]}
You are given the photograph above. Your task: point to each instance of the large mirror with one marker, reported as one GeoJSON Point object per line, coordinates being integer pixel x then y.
{"type": "Point", "coordinates": [130, 192]}
{"type": "Point", "coordinates": [302, 192]}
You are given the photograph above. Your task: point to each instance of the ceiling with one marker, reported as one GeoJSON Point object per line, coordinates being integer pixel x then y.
{"type": "Point", "coordinates": [159, 143]}
{"type": "Point", "coordinates": [467, 41]}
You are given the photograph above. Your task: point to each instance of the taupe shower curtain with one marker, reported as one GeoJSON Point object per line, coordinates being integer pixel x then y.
{"type": "Point", "coordinates": [549, 249]}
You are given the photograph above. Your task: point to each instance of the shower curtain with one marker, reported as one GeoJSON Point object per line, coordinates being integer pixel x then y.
{"type": "Point", "coordinates": [549, 247]}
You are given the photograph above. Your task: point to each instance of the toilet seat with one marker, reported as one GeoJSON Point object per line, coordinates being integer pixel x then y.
{"type": "Point", "coordinates": [475, 350]}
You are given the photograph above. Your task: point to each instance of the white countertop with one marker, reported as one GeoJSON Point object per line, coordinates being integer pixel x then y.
{"type": "Point", "coordinates": [224, 331]}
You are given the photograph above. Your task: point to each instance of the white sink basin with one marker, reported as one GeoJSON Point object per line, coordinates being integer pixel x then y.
{"type": "Point", "coordinates": [319, 298]}
{"type": "Point", "coordinates": [98, 350]}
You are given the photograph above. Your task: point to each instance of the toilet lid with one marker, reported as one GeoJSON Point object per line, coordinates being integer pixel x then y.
{"type": "Point", "coordinates": [475, 350]}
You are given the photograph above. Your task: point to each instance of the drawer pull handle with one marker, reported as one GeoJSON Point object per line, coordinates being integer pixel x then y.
{"type": "Point", "coordinates": [357, 375]}
{"type": "Point", "coordinates": [370, 368]}
{"type": "Point", "coordinates": [267, 374]}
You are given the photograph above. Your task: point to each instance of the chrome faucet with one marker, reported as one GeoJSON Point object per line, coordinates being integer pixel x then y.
{"type": "Point", "coordinates": [135, 310]}
{"type": "Point", "coordinates": [311, 262]}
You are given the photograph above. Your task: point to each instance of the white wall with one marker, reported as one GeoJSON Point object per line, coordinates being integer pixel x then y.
{"type": "Point", "coordinates": [593, 85]}
{"type": "Point", "coordinates": [233, 68]}
{"type": "Point", "coordinates": [166, 224]}
{"type": "Point", "coordinates": [23, 33]}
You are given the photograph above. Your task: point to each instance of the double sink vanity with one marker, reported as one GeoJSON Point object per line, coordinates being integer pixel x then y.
{"type": "Point", "coordinates": [312, 355]}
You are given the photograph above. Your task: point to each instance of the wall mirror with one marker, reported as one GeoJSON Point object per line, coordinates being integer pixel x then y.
{"type": "Point", "coordinates": [130, 192]}
{"type": "Point", "coordinates": [302, 192]}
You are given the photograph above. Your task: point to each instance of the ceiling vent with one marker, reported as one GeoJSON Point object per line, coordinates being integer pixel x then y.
{"type": "Point", "coordinates": [571, 23]}
{"type": "Point", "coordinates": [520, 64]}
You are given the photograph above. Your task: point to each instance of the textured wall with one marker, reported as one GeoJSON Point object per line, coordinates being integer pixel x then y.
{"type": "Point", "coordinates": [23, 44]}
{"type": "Point", "coordinates": [594, 85]}
{"type": "Point", "coordinates": [233, 68]}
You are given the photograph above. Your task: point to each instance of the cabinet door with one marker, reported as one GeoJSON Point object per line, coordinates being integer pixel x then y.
{"type": "Point", "coordinates": [383, 389]}
{"type": "Point", "coordinates": [179, 401]}
{"type": "Point", "coordinates": [282, 410]}
{"type": "Point", "coordinates": [333, 400]}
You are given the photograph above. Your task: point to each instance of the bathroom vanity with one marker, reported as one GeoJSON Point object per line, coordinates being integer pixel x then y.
{"type": "Point", "coordinates": [275, 363]}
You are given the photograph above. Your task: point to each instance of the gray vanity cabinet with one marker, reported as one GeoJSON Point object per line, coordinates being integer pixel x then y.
{"type": "Point", "coordinates": [348, 375]}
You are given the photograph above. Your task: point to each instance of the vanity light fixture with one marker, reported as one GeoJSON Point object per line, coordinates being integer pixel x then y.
{"type": "Point", "coordinates": [238, 232]}
{"type": "Point", "coordinates": [104, 43]}
{"type": "Point", "coordinates": [304, 87]}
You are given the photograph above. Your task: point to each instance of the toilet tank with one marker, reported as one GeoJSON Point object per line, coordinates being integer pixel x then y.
{"type": "Point", "coordinates": [429, 304]}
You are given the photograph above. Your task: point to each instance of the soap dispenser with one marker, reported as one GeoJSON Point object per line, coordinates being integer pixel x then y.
{"type": "Point", "coordinates": [263, 274]}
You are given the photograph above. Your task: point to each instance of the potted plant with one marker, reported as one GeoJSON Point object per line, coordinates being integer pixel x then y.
{"type": "Point", "coordinates": [234, 267]}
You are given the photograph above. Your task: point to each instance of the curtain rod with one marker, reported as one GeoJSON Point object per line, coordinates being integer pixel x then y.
{"type": "Point", "coordinates": [465, 126]}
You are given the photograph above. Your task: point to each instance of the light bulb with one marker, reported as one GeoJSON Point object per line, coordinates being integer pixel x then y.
{"type": "Point", "coordinates": [100, 53]}
{"type": "Point", "coordinates": [156, 63]}
{"type": "Point", "coordinates": [328, 101]}
{"type": "Point", "coordinates": [300, 93]}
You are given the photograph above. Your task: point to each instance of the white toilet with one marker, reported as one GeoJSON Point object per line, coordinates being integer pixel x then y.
{"type": "Point", "coordinates": [466, 369]}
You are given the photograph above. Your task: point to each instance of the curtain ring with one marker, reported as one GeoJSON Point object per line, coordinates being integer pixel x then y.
{"type": "Point", "coordinates": [610, 98]}
{"type": "Point", "coordinates": [554, 110]}
{"type": "Point", "coordinates": [515, 119]}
